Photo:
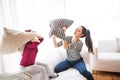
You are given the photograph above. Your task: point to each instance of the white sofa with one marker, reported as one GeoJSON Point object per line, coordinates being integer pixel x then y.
{"type": "Point", "coordinates": [51, 57]}
{"type": "Point", "coordinates": [106, 57]}
{"type": "Point", "coordinates": [54, 56]}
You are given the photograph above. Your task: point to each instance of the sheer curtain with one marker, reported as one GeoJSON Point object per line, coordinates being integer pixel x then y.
{"type": "Point", "coordinates": [102, 17]}
{"type": "Point", "coordinates": [28, 14]}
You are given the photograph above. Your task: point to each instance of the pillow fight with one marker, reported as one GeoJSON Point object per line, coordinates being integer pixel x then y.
{"type": "Point", "coordinates": [27, 43]}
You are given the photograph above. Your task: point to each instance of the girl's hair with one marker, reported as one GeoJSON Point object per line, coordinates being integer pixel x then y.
{"type": "Point", "coordinates": [28, 30]}
{"type": "Point", "coordinates": [88, 40]}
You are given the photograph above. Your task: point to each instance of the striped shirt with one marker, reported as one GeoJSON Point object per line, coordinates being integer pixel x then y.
{"type": "Point", "coordinates": [73, 51]}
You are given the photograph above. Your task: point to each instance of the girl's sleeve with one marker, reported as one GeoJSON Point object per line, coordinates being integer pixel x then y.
{"type": "Point", "coordinates": [41, 39]}
{"type": "Point", "coordinates": [32, 44]}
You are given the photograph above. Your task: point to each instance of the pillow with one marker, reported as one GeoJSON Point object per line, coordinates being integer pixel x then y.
{"type": "Point", "coordinates": [56, 27]}
{"type": "Point", "coordinates": [59, 23]}
{"type": "Point", "coordinates": [118, 44]}
{"type": "Point", "coordinates": [57, 32]}
{"type": "Point", "coordinates": [13, 40]}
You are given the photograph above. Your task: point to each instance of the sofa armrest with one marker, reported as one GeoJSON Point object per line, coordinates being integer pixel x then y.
{"type": "Point", "coordinates": [94, 58]}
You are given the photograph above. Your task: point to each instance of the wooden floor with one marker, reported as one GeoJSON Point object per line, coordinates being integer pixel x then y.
{"type": "Point", "coordinates": [106, 76]}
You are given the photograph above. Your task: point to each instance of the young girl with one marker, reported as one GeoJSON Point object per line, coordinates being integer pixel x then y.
{"type": "Point", "coordinates": [29, 56]}
{"type": "Point", "coordinates": [30, 51]}
{"type": "Point", "coordinates": [73, 46]}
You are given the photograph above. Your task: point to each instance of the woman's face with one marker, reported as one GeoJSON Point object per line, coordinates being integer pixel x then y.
{"type": "Point", "coordinates": [78, 31]}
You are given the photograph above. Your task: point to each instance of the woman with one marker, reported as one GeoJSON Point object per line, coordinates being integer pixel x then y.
{"type": "Point", "coordinates": [73, 46]}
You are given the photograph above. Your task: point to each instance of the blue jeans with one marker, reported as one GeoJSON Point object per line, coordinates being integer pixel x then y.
{"type": "Point", "coordinates": [78, 64]}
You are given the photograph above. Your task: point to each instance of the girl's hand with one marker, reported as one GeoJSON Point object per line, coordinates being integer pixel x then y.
{"type": "Point", "coordinates": [35, 39]}
{"type": "Point", "coordinates": [39, 36]}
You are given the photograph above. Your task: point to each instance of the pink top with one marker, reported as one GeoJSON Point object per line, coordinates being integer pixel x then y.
{"type": "Point", "coordinates": [30, 53]}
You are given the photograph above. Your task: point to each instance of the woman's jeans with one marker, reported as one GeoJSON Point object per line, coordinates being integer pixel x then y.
{"type": "Point", "coordinates": [78, 64]}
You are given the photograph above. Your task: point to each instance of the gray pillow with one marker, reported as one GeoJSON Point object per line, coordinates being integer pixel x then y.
{"type": "Point", "coordinates": [58, 32]}
{"type": "Point", "coordinates": [13, 40]}
{"type": "Point", "coordinates": [59, 23]}
{"type": "Point", "coordinates": [56, 27]}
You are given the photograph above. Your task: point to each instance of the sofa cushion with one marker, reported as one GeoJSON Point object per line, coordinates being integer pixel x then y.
{"type": "Point", "coordinates": [70, 74]}
{"type": "Point", "coordinates": [109, 56]}
{"type": "Point", "coordinates": [106, 46]}
{"type": "Point", "coordinates": [51, 57]}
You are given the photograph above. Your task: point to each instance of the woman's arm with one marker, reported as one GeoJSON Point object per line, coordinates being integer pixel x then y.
{"type": "Point", "coordinates": [54, 39]}
{"type": "Point", "coordinates": [55, 42]}
{"type": "Point", "coordinates": [65, 44]}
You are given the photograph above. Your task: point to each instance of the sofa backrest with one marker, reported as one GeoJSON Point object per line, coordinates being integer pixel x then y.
{"type": "Point", "coordinates": [107, 46]}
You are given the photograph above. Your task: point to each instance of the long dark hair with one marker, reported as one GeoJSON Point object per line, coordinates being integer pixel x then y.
{"type": "Point", "coordinates": [88, 40]}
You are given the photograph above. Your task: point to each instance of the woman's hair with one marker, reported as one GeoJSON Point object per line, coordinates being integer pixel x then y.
{"type": "Point", "coordinates": [88, 40]}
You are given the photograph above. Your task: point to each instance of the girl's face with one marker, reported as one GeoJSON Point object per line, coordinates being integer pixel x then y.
{"type": "Point", "coordinates": [78, 32]}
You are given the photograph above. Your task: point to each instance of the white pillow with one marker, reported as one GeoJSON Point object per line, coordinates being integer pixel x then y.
{"type": "Point", "coordinates": [12, 40]}
{"type": "Point", "coordinates": [52, 57]}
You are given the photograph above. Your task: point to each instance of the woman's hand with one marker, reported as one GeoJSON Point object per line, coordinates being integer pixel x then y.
{"type": "Point", "coordinates": [65, 44]}
{"type": "Point", "coordinates": [54, 41]}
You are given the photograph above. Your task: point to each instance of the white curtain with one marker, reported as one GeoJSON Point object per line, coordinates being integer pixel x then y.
{"type": "Point", "coordinates": [102, 17]}
{"type": "Point", "coordinates": [28, 14]}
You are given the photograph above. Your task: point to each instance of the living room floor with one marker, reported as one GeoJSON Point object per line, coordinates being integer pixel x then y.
{"type": "Point", "coordinates": [101, 75]}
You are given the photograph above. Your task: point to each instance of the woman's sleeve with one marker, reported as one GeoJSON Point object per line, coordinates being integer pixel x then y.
{"type": "Point", "coordinates": [41, 39]}
{"type": "Point", "coordinates": [59, 43]}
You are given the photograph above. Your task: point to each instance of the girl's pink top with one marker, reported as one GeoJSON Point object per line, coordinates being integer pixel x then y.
{"type": "Point", "coordinates": [30, 53]}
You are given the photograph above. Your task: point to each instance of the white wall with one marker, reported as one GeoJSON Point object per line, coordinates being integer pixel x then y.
{"type": "Point", "coordinates": [102, 17]}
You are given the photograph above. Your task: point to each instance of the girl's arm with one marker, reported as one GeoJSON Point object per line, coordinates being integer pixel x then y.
{"type": "Point", "coordinates": [35, 40]}
{"type": "Point", "coordinates": [40, 38]}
